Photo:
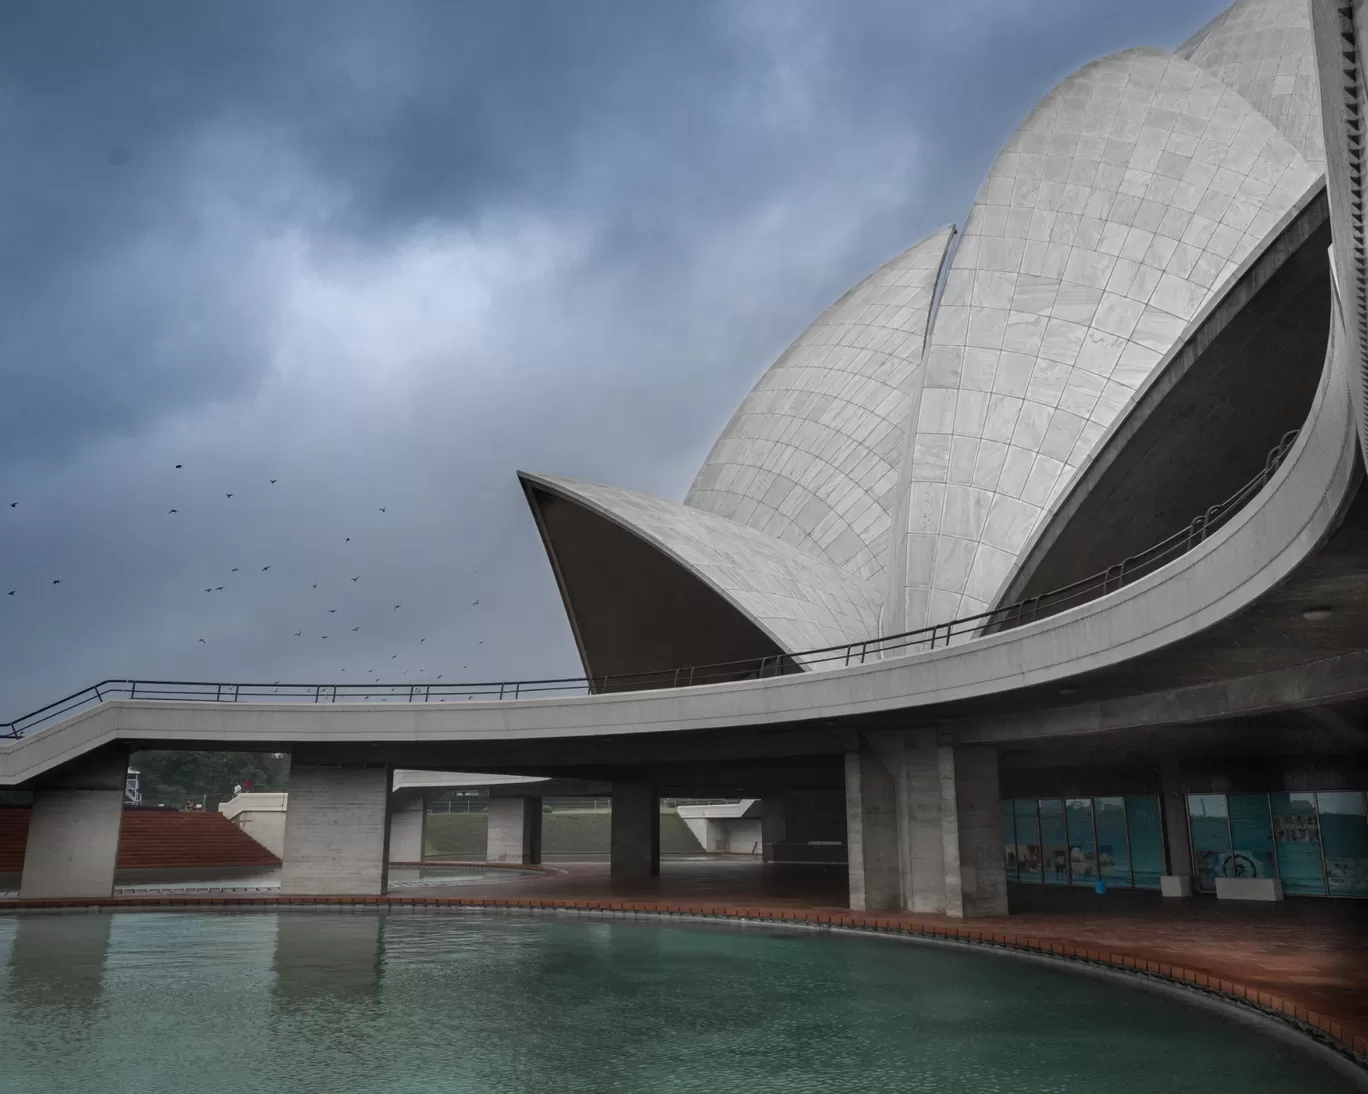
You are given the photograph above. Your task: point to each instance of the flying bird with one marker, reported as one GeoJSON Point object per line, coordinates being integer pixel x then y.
{"type": "Point", "coordinates": [208, 590]}
{"type": "Point", "coordinates": [273, 480]}
{"type": "Point", "coordinates": [201, 639]}
{"type": "Point", "coordinates": [315, 584]}
{"type": "Point", "coordinates": [332, 611]}
{"type": "Point", "coordinates": [218, 588]}
{"type": "Point", "coordinates": [11, 592]}
{"type": "Point", "coordinates": [179, 466]}
{"type": "Point", "coordinates": [382, 508]}
{"type": "Point", "coordinates": [235, 569]}
{"type": "Point", "coordinates": [170, 511]}
{"type": "Point", "coordinates": [325, 638]}
{"type": "Point", "coordinates": [264, 569]}
{"type": "Point", "coordinates": [349, 539]}
{"type": "Point", "coordinates": [421, 641]}
{"type": "Point", "coordinates": [439, 676]}
{"type": "Point", "coordinates": [357, 577]}
{"type": "Point", "coordinates": [397, 607]}
{"type": "Point", "coordinates": [14, 505]}
{"type": "Point", "coordinates": [299, 634]}
{"type": "Point", "coordinates": [481, 642]}
{"type": "Point", "coordinates": [56, 580]}
{"type": "Point", "coordinates": [356, 628]}
{"type": "Point", "coordinates": [227, 495]}
{"type": "Point", "coordinates": [473, 603]}
{"type": "Point", "coordinates": [393, 656]}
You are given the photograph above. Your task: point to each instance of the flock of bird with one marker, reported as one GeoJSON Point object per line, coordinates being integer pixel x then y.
{"type": "Point", "coordinates": [301, 634]}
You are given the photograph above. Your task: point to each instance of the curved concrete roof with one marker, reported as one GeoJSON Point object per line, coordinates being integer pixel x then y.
{"type": "Point", "coordinates": [1264, 50]}
{"type": "Point", "coordinates": [1050, 320]}
{"type": "Point", "coordinates": [811, 456]}
{"type": "Point", "coordinates": [801, 601]}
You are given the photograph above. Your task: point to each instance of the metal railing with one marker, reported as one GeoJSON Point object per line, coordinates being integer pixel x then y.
{"type": "Point", "coordinates": [1017, 614]}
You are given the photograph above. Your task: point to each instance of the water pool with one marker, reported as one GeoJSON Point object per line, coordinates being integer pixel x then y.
{"type": "Point", "coordinates": [342, 1002]}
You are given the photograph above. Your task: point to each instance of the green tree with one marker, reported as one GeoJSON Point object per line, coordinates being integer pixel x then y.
{"type": "Point", "coordinates": [177, 777]}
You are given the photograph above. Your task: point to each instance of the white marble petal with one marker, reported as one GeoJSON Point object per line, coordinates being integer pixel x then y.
{"type": "Point", "coordinates": [1141, 181]}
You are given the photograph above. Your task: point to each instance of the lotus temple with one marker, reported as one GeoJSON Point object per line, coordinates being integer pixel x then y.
{"type": "Point", "coordinates": [1022, 602]}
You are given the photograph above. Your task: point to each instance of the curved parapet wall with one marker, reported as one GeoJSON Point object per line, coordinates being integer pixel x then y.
{"type": "Point", "coordinates": [811, 456]}
{"type": "Point", "coordinates": [1121, 205]}
{"type": "Point", "coordinates": [794, 599]}
{"type": "Point", "coordinates": [1263, 50]}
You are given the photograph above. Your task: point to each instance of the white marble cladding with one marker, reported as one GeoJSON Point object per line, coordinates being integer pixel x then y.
{"type": "Point", "coordinates": [1120, 205]}
{"type": "Point", "coordinates": [1263, 50]}
{"type": "Point", "coordinates": [811, 456]}
{"type": "Point", "coordinates": [801, 601]}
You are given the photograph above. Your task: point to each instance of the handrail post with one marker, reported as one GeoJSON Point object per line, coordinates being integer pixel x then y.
{"type": "Point", "coordinates": [318, 688]}
{"type": "Point", "coordinates": [501, 690]}
{"type": "Point", "coordinates": [517, 688]}
{"type": "Point", "coordinates": [133, 688]}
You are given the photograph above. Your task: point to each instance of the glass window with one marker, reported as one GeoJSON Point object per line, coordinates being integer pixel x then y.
{"type": "Point", "coordinates": [1082, 841]}
{"type": "Point", "coordinates": [1344, 832]}
{"type": "Point", "coordinates": [1296, 833]}
{"type": "Point", "coordinates": [1054, 841]}
{"type": "Point", "coordinates": [1251, 837]}
{"type": "Point", "coordinates": [1028, 841]}
{"type": "Point", "coordinates": [1009, 840]}
{"type": "Point", "coordinates": [1113, 846]}
{"type": "Point", "coordinates": [1145, 826]}
{"type": "Point", "coordinates": [1209, 825]}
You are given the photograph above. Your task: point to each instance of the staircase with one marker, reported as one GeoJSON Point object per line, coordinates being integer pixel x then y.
{"type": "Point", "coordinates": [155, 839]}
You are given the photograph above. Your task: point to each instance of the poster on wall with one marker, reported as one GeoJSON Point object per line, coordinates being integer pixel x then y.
{"type": "Point", "coordinates": [1296, 827]}
{"type": "Point", "coordinates": [1347, 874]}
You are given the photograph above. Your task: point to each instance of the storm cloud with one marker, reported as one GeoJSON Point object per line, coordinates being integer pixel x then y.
{"type": "Point", "coordinates": [388, 253]}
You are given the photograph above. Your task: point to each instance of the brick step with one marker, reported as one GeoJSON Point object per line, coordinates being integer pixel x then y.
{"type": "Point", "coordinates": [153, 839]}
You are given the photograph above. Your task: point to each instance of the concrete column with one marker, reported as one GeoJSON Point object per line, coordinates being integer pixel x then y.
{"type": "Point", "coordinates": [407, 824]}
{"type": "Point", "coordinates": [971, 831]}
{"type": "Point", "coordinates": [336, 830]}
{"type": "Point", "coordinates": [871, 832]}
{"type": "Point", "coordinates": [1177, 847]}
{"type": "Point", "coordinates": [635, 838]}
{"type": "Point", "coordinates": [73, 836]}
{"type": "Point", "coordinates": [515, 830]}
{"type": "Point", "coordinates": [915, 761]}
{"type": "Point", "coordinates": [773, 825]}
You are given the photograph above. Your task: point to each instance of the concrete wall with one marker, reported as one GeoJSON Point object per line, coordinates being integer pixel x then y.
{"type": "Point", "coordinates": [407, 817]}
{"type": "Point", "coordinates": [73, 834]}
{"type": "Point", "coordinates": [515, 830]}
{"type": "Point", "coordinates": [733, 828]}
{"type": "Point", "coordinates": [336, 830]}
{"type": "Point", "coordinates": [261, 816]}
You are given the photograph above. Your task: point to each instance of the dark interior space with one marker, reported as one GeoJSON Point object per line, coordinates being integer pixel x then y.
{"type": "Point", "coordinates": [1205, 428]}
{"type": "Point", "coordinates": [634, 610]}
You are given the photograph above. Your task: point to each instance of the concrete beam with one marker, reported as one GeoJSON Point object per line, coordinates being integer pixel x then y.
{"type": "Point", "coordinates": [73, 836]}
{"type": "Point", "coordinates": [635, 831]}
{"type": "Point", "coordinates": [336, 831]}
{"type": "Point", "coordinates": [515, 830]}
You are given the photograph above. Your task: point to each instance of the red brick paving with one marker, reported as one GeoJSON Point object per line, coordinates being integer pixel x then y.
{"type": "Point", "coordinates": [1306, 959]}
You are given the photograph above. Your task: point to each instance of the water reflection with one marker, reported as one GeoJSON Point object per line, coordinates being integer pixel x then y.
{"type": "Point", "coordinates": [337, 956]}
{"type": "Point", "coordinates": [58, 961]}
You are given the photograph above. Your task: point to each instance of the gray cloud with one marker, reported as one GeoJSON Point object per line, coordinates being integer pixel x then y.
{"type": "Point", "coordinates": [388, 253]}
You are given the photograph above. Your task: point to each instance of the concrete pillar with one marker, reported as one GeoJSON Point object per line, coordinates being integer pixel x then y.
{"type": "Point", "coordinates": [635, 831]}
{"type": "Point", "coordinates": [773, 825]}
{"type": "Point", "coordinates": [1177, 847]}
{"type": "Point", "coordinates": [515, 830]}
{"type": "Point", "coordinates": [336, 830]}
{"type": "Point", "coordinates": [871, 832]}
{"type": "Point", "coordinates": [73, 836]}
{"type": "Point", "coordinates": [407, 823]}
{"type": "Point", "coordinates": [947, 820]}
{"type": "Point", "coordinates": [971, 831]}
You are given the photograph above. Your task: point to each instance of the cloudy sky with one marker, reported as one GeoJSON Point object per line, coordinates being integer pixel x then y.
{"type": "Point", "coordinates": [389, 253]}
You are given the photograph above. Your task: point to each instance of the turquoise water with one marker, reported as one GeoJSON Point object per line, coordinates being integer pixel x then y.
{"type": "Point", "coordinates": [296, 1002]}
